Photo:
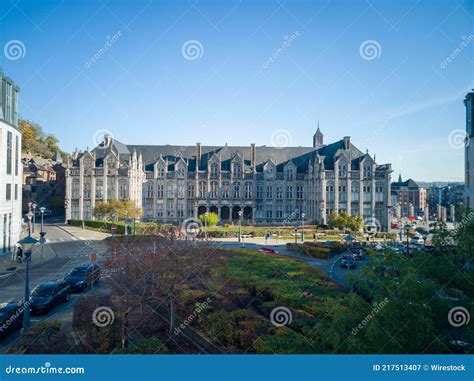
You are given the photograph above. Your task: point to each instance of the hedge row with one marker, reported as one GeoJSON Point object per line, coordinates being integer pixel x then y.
{"type": "Point", "coordinates": [317, 249]}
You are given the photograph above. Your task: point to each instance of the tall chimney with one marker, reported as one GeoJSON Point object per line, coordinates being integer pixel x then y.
{"type": "Point", "coordinates": [347, 142]}
{"type": "Point", "coordinates": [198, 155]}
{"type": "Point", "coordinates": [253, 154]}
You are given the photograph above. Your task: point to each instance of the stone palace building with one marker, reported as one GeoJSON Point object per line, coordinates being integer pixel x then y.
{"type": "Point", "coordinates": [269, 185]}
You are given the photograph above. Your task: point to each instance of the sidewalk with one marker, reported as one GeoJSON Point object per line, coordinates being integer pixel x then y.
{"type": "Point", "coordinates": [83, 234]}
{"type": "Point", "coordinates": [10, 266]}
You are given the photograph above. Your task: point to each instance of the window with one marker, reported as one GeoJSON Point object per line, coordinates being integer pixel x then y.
{"type": "Point", "coordinates": [290, 174]}
{"type": "Point", "coordinates": [213, 189]}
{"type": "Point", "coordinates": [75, 188]}
{"type": "Point", "coordinates": [9, 192]}
{"type": "Point", "coordinates": [279, 192]}
{"type": "Point", "coordinates": [9, 153]}
{"type": "Point", "coordinates": [299, 192]}
{"type": "Point", "coordinates": [149, 190]}
{"type": "Point", "coordinates": [99, 189]}
{"type": "Point", "coordinates": [16, 192]}
{"type": "Point", "coordinates": [355, 191]}
{"type": "Point", "coordinates": [236, 191]}
{"type": "Point", "coordinates": [214, 170]}
{"type": "Point", "coordinates": [17, 152]}
{"type": "Point", "coordinates": [289, 192]}
{"type": "Point", "coordinates": [191, 191]}
{"type": "Point", "coordinates": [367, 171]}
{"type": "Point", "coordinates": [342, 170]}
{"type": "Point", "coordinates": [87, 190]}
{"type": "Point", "coordinates": [170, 190]}
{"type": "Point", "coordinates": [237, 169]}
{"type": "Point", "coordinates": [259, 190]}
{"type": "Point", "coordinates": [180, 172]}
{"type": "Point", "coordinates": [161, 172]}
{"type": "Point", "coordinates": [269, 192]}
{"type": "Point", "coordinates": [202, 189]}
{"type": "Point", "coordinates": [159, 191]}
{"type": "Point", "coordinates": [248, 190]}
{"type": "Point", "coordinates": [225, 190]}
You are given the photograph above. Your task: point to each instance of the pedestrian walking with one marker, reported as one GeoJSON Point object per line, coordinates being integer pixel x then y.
{"type": "Point", "coordinates": [19, 254]}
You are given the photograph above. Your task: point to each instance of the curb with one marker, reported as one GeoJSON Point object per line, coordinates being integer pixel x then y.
{"type": "Point", "coordinates": [4, 275]}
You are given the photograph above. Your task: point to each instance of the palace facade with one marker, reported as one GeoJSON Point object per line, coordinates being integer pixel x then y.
{"type": "Point", "coordinates": [268, 185]}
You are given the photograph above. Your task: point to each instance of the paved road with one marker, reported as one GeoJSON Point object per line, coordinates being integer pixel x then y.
{"type": "Point", "coordinates": [71, 251]}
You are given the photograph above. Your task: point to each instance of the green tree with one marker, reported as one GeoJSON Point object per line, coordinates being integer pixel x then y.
{"type": "Point", "coordinates": [210, 220]}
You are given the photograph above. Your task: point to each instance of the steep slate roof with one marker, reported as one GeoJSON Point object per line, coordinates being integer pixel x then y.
{"type": "Point", "coordinates": [408, 183]}
{"type": "Point", "coordinates": [301, 156]}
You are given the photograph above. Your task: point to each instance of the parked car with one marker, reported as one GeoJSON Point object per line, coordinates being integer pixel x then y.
{"type": "Point", "coordinates": [47, 296]}
{"type": "Point", "coordinates": [348, 261]}
{"type": "Point", "coordinates": [82, 277]}
{"type": "Point", "coordinates": [11, 318]}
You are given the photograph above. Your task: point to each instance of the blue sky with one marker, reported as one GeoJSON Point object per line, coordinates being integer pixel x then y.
{"type": "Point", "coordinates": [400, 98]}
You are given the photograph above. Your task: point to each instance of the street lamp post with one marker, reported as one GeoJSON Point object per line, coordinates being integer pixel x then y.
{"type": "Point", "coordinates": [408, 242]}
{"type": "Point", "coordinates": [34, 216]}
{"type": "Point", "coordinates": [27, 244]}
{"type": "Point", "coordinates": [42, 209]}
{"type": "Point", "coordinates": [302, 227]}
{"type": "Point", "coordinates": [29, 216]}
{"type": "Point", "coordinates": [240, 213]}
{"type": "Point", "coordinates": [42, 241]}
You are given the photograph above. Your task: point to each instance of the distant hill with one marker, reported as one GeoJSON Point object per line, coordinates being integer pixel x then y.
{"type": "Point", "coordinates": [427, 184]}
{"type": "Point", "coordinates": [37, 142]}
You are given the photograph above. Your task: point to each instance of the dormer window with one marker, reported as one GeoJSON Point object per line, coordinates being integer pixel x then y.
{"type": "Point", "coordinates": [161, 172]}
{"type": "Point", "coordinates": [237, 170]}
{"type": "Point", "coordinates": [214, 170]}
{"type": "Point", "coordinates": [180, 172]}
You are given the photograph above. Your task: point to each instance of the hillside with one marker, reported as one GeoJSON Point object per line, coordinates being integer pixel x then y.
{"type": "Point", "coordinates": [37, 142]}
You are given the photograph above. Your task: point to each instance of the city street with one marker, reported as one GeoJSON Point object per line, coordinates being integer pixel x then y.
{"type": "Point", "coordinates": [71, 250]}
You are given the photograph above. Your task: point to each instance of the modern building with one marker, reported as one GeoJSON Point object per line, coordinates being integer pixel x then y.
{"type": "Point", "coordinates": [410, 196]}
{"type": "Point", "coordinates": [268, 185]}
{"type": "Point", "coordinates": [469, 150]}
{"type": "Point", "coordinates": [10, 165]}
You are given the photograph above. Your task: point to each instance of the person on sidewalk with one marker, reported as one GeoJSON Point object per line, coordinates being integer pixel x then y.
{"type": "Point", "coordinates": [19, 254]}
